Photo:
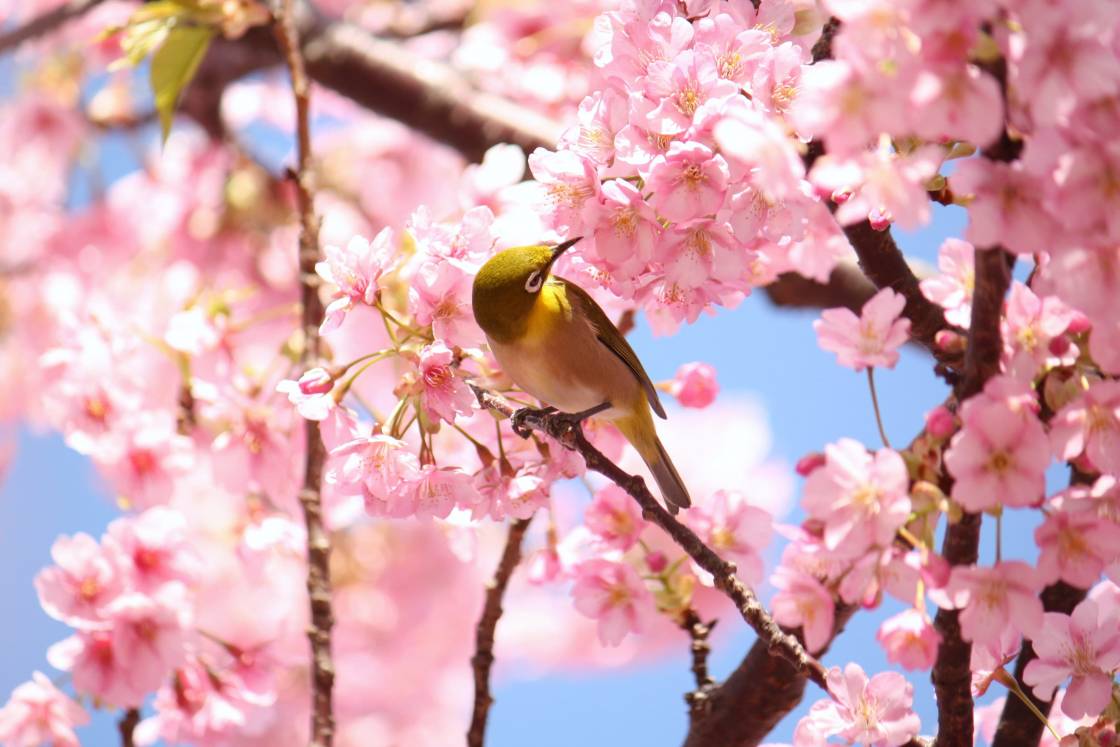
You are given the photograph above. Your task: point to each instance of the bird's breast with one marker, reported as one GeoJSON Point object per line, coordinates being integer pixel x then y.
{"type": "Point", "coordinates": [560, 361]}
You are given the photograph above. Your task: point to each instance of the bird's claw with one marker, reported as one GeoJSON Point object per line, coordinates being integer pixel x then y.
{"type": "Point", "coordinates": [517, 420]}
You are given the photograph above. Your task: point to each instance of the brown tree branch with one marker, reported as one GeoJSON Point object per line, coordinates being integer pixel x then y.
{"type": "Point", "coordinates": [847, 287]}
{"type": "Point", "coordinates": [425, 95]}
{"type": "Point", "coordinates": [559, 427]}
{"type": "Point", "coordinates": [698, 631]}
{"type": "Point", "coordinates": [310, 498]}
{"type": "Point", "coordinates": [761, 691]}
{"type": "Point", "coordinates": [46, 22]}
{"type": "Point", "coordinates": [951, 675]}
{"type": "Point", "coordinates": [127, 726]}
{"type": "Point", "coordinates": [483, 658]}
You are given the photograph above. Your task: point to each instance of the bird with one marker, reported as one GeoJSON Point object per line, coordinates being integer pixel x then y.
{"type": "Point", "coordinates": [557, 344]}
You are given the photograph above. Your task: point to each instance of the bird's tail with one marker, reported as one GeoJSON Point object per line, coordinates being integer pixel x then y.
{"type": "Point", "coordinates": [640, 432]}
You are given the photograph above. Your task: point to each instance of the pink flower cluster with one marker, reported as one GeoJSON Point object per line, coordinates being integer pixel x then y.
{"type": "Point", "coordinates": [689, 192]}
{"type": "Point", "coordinates": [129, 598]}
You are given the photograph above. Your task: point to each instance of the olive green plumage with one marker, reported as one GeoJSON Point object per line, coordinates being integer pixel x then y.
{"type": "Point", "coordinates": [558, 345]}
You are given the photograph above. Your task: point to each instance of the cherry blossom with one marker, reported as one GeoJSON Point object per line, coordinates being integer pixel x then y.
{"type": "Point", "coordinates": [356, 270]}
{"type": "Point", "coordinates": [615, 518]}
{"type": "Point", "coordinates": [695, 385]}
{"type": "Point", "coordinates": [614, 595]}
{"type": "Point", "coordinates": [1075, 546]}
{"type": "Point", "coordinates": [860, 498]}
{"type": "Point", "coordinates": [870, 339]}
{"type": "Point", "coordinates": [953, 288]}
{"type": "Point", "coordinates": [876, 711]}
{"type": "Point", "coordinates": [81, 584]}
{"type": "Point", "coordinates": [909, 639]}
{"type": "Point", "coordinates": [1084, 645]}
{"type": "Point", "coordinates": [688, 182]}
{"type": "Point", "coordinates": [37, 713]}
{"type": "Point", "coordinates": [732, 525]}
{"type": "Point", "coordinates": [1000, 454]}
{"type": "Point", "coordinates": [1091, 424]}
{"type": "Point", "coordinates": [994, 599]}
{"type": "Point", "coordinates": [802, 601]}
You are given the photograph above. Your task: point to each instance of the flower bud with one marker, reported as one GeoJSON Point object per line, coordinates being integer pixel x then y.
{"type": "Point", "coordinates": [808, 463]}
{"type": "Point", "coordinates": [316, 381]}
{"type": "Point", "coordinates": [940, 423]}
{"type": "Point", "coordinates": [657, 561]}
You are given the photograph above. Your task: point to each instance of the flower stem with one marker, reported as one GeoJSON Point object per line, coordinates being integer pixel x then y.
{"type": "Point", "coordinates": [1013, 686]}
{"type": "Point", "coordinates": [875, 404]}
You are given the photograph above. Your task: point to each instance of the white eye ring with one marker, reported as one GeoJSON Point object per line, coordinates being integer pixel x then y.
{"type": "Point", "coordinates": [534, 282]}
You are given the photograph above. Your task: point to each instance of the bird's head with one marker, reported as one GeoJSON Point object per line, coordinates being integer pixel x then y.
{"type": "Point", "coordinates": [508, 285]}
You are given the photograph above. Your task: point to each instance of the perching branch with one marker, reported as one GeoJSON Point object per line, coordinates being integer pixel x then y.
{"type": "Point", "coordinates": [698, 632]}
{"type": "Point", "coordinates": [127, 726]}
{"type": "Point", "coordinates": [46, 22]}
{"type": "Point", "coordinates": [779, 642]}
{"type": "Point", "coordinates": [310, 498]}
{"type": "Point", "coordinates": [483, 658]}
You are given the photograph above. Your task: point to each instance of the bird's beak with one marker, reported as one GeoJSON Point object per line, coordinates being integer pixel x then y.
{"type": "Point", "coordinates": [561, 248]}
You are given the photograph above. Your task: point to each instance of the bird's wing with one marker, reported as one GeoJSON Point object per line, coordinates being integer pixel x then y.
{"type": "Point", "coordinates": [609, 335]}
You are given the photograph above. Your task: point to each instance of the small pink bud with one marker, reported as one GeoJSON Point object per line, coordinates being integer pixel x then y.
{"type": "Point", "coordinates": [808, 463]}
{"type": "Point", "coordinates": [841, 195]}
{"type": "Point", "coordinates": [949, 341]}
{"type": "Point", "coordinates": [1060, 345]}
{"type": "Point", "coordinates": [940, 422]}
{"type": "Point", "coordinates": [316, 381]}
{"type": "Point", "coordinates": [657, 561]}
{"type": "Point", "coordinates": [695, 385]}
{"type": "Point", "coordinates": [880, 219]}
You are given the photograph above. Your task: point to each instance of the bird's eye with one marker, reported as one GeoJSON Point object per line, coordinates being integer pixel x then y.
{"type": "Point", "coordinates": [534, 282]}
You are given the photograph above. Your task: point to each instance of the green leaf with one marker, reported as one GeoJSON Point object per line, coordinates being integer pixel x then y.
{"type": "Point", "coordinates": [173, 66]}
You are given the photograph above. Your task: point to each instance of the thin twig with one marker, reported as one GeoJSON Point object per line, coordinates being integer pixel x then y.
{"type": "Point", "coordinates": [723, 572]}
{"type": "Point", "coordinates": [875, 406]}
{"type": "Point", "coordinates": [483, 658]}
{"type": "Point", "coordinates": [127, 725]}
{"type": "Point", "coordinates": [46, 22]}
{"type": "Point", "coordinates": [699, 703]}
{"type": "Point", "coordinates": [310, 498]}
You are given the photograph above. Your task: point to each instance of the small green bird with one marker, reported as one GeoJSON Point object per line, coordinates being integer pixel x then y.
{"type": "Point", "coordinates": [558, 345]}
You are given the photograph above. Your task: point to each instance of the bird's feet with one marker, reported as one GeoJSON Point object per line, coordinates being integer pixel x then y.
{"type": "Point", "coordinates": [517, 420]}
{"type": "Point", "coordinates": [559, 424]}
